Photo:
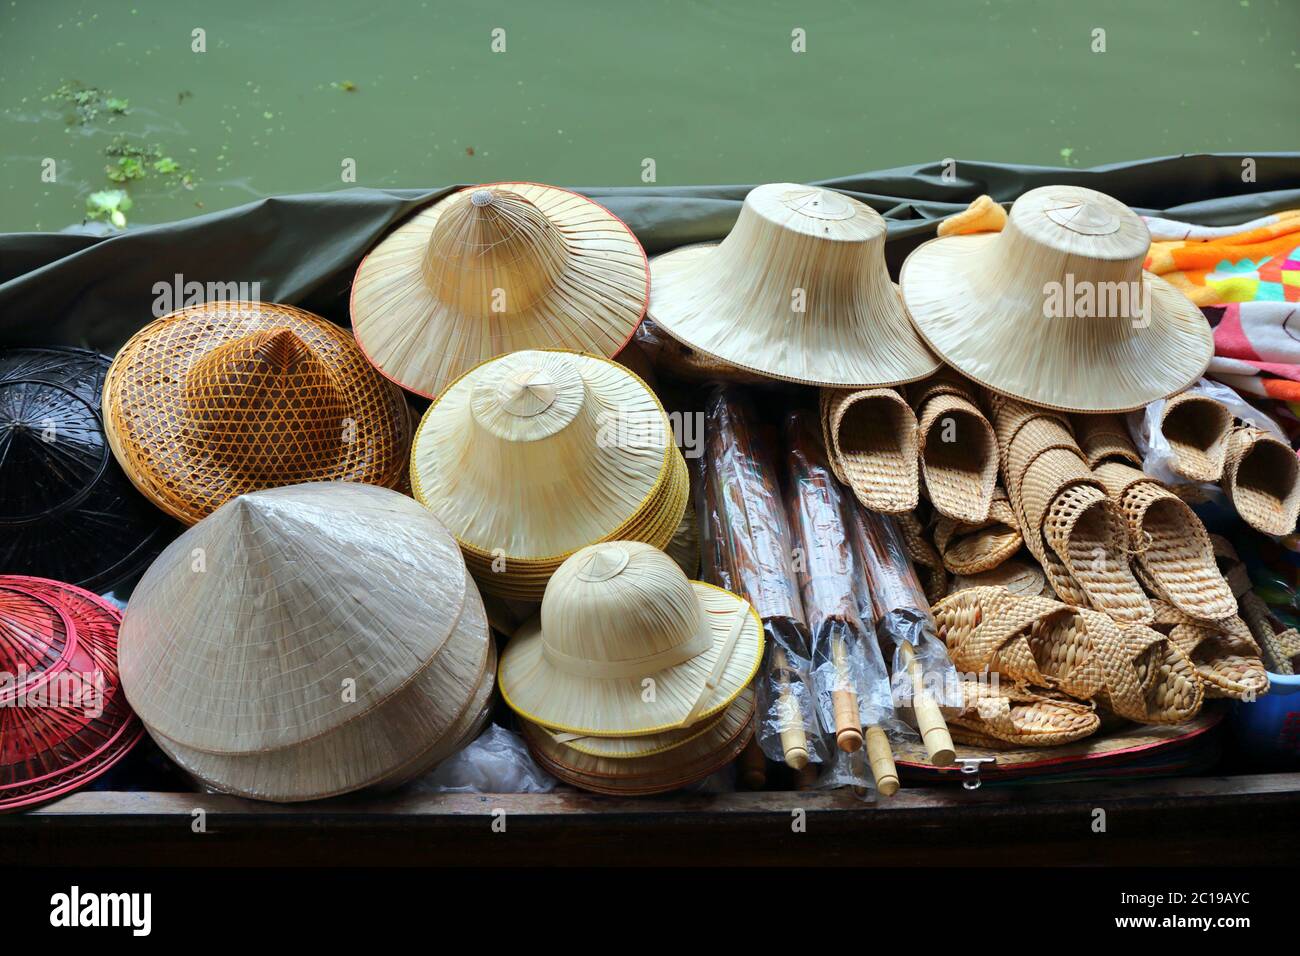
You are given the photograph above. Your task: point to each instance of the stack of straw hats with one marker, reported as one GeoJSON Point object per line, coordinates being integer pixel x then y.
{"type": "Point", "coordinates": [67, 511]}
{"type": "Point", "coordinates": [496, 269]}
{"type": "Point", "coordinates": [633, 679]}
{"type": "Point", "coordinates": [798, 290]}
{"type": "Point", "coordinates": [530, 457]}
{"type": "Point", "coordinates": [309, 641]}
{"type": "Point", "coordinates": [221, 399]}
{"type": "Point", "coordinates": [1056, 309]}
{"type": "Point", "coordinates": [66, 718]}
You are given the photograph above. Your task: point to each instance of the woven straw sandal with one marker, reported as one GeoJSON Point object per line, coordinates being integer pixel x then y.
{"type": "Point", "coordinates": [1104, 438]}
{"type": "Point", "coordinates": [1197, 429]}
{"type": "Point", "coordinates": [1022, 578]}
{"type": "Point", "coordinates": [1136, 672]}
{"type": "Point", "coordinates": [959, 451]}
{"type": "Point", "coordinates": [929, 566]}
{"type": "Point", "coordinates": [871, 437]}
{"type": "Point", "coordinates": [1225, 655]}
{"type": "Point", "coordinates": [1004, 717]}
{"type": "Point", "coordinates": [1262, 477]}
{"type": "Point", "coordinates": [973, 547]}
{"type": "Point", "coordinates": [1174, 557]}
{"type": "Point", "coordinates": [1277, 644]}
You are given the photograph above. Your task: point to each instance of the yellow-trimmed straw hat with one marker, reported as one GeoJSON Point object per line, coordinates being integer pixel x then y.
{"type": "Point", "coordinates": [1056, 309]}
{"type": "Point", "coordinates": [495, 269]}
{"type": "Point", "coordinates": [533, 455]}
{"type": "Point", "coordinates": [798, 291]}
{"type": "Point", "coordinates": [221, 399]}
{"type": "Point", "coordinates": [626, 645]}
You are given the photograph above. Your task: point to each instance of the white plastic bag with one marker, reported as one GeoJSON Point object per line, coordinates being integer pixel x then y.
{"type": "Point", "coordinates": [497, 761]}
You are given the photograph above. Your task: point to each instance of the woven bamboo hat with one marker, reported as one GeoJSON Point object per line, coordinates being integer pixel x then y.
{"type": "Point", "coordinates": [616, 616]}
{"type": "Point", "coordinates": [217, 400]}
{"type": "Point", "coordinates": [798, 291]}
{"type": "Point", "coordinates": [495, 269]}
{"type": "Point", "coordinates": [306, 641]}
{"type": "Point", "coordinates": [67, 511]}
{"type": "Point", "coordinates": [1056, 309]}
{"type": "Point", "coordinates": [66, 719]}
{"type": "Point", "coordinates": [531, 456]}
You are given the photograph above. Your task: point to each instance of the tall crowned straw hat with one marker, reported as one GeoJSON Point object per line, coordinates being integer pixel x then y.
{"type": "Point", "coordinates": [307, 641]}
{"type": "Point", "coordinates": [626, 645]}
{"type": "Point", "coordinates": [798, 290]}
{"type": "Point", "coordinates": [531, 456]}
{"type": "Point", "coordinates": [220, 399]}
{"type": "Point", "coordinates": [66, 719]}
{"type": "Point", "coordinates": [67, 511]}
{"type": "Point", "coordinates": [1056, 309]}
{"type": "Point", "coordinates": [495, 269]}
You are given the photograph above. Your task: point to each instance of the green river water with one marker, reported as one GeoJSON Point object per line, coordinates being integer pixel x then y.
{"type": "Point", "coordinates": [413, 93]}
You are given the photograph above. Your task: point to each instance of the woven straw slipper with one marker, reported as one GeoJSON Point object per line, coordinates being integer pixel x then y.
{"type": "Point", "coordinates": [1262, 477]}
{"type": "Point", "coordinates": [1197, 429]}
{"type": "Point", "coordinates": [1277, 643]}
{"type": "Point", "coordinates": [973, 547]}
{"type": "Point", "coordinates": [1022, 578]}
{"type": "Point", "coordinates": [929, 566]}
{"type": "Point", "coordinates": [1104, 438]}
{"type": "Point", "coordinates": [1225, 655]}
{"type": "Point", "coordinates": [1136, 671]}
{"type": "Point", "coordinates": [872, 440]}
{"type": "Point", "coordinates": [959, 457]}
{"type": "Point", "coordinates": [1173, 553]}
{"type": "Point", "coordinates": [1002, 717]}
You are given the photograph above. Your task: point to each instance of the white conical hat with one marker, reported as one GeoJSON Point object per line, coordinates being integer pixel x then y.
{"type": "Point", "coordinates": [494, 269]}
{"type": "Point", "coordinates": [536, 454]}
{"type": "Point", "coordinates": [620, 618]}
{"type": "Point", "coordinates": [798, 291]}
{"type": "Point", "coordinates": [290, 612]}
{"type": "Point", "coordinates": [1056, 309]}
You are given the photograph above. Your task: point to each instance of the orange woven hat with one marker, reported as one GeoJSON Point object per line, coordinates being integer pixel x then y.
{"type": "Point", "coordinates": [495, 269]}
{"type": "Point", "coordinates": [218, 400]}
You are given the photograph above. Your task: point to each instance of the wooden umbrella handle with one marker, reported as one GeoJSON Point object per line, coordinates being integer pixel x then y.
{"type": "Point", "coordinates": [794, 742]}
{"type": "Point", "coordinates": [929, 719]}
{"type": "Point", "coordinates": [848, 723]}
{"type": "Point", "coordinates": [881, 759]}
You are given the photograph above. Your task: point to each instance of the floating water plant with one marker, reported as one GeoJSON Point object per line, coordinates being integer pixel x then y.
{"type": "Point", "coordinates": [110, 204]}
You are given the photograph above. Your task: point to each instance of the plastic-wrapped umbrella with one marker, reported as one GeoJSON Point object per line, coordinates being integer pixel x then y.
{"type": "Point", "coordinates": [64, 719]}
{"type": "Point", "coordinates": [67, 511]}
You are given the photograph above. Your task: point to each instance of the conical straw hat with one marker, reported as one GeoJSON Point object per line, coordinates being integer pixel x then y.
{"type": "Point", "coordinates": [617, 616]}
{"type": "Point", "coordinates": [1056, 309]}
{"type": "Point", "coordinates": [294, 611]}
{"type": "Point", "coordinates": [67, 512]}
{"type": "Point", "coordinates": [536, 454]}
{"type": "Point", "coordinates": [496, 269]}
{"type": "Point", "coordinates": [667, 769]}
{"type": "Point", "coordinates": [66, 719]}
{"type": "Point", "coordinates": [221, 399]}
{"type": "Point", "coordinates": [797, 291]}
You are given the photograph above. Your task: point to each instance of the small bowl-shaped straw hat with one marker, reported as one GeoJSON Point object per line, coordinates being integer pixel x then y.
{"type": "Point", "coordinates": [66, 717]}
{"type": "Point", "coordinates": [533, 455]}
{"type": "Point", "coordinates": [1056, 309]}
{"type": "Point", "coordinates": [67, 511]}
{"type": "Point", "coordinates": [626, 645]}
{"type": "Point", "coordinates": [798, 290]}
{"type": "Point", "coordinates": [307, 641]}
{"type": "Point", "coordinates": [221, 399]}
{"type": "Point", "coordinates": [495, 269]}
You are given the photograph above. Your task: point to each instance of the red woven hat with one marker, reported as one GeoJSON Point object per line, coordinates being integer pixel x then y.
{"type": "Point", "coordinates": [63, 717]}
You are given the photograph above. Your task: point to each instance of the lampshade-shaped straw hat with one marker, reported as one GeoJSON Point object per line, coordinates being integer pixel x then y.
{"type": "Point", "coordinates": [798, 291]}
{"type": "Point", "coordinates": [66, 719]}
{"type": "Point", "coordinates": [1056, 309]}
{"type": "Point", "coordinates": [307, 641]}
{"type": "Point", "coordinates": [221, 399]}
{"type": "Point", "coordinates": [689, 760]}
{"type": "Point", "coordinates": [495, 269]}
{"type": "Point", "coordinates": [67, 512]}
{"type": "Point", "coordinates": [531, 456]}
{"type": "Point", "coordinates": [618, 619]}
